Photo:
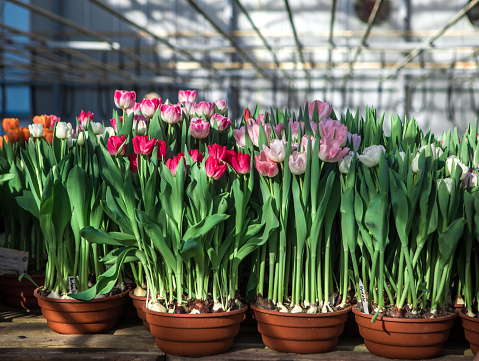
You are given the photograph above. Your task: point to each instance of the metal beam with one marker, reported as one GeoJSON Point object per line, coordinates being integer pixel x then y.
{"type": "Point", "coordinates": [140, 30]}
{"type": "Point", "coordinates": [267, 46]}
{"type": "Point", "coordinates": [52, 16]}
{"type": "Point", "coordinates": [428, 43]}
{"type": "Point", "coordinates": [299, 46]}
{"type": "Point", "coordinates": [228, 36]}
{"type": "Point", "coordinates": [363, 40]}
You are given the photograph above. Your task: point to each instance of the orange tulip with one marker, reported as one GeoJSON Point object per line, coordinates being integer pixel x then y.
{"type": "Point", "coordinates": [25, 133]}
{"type": "Point", "coordinates": [42, 119]}
{"type": "Point", "coordinates": [15, 135]}
{"type": "Point", "coordinates": [1, 140]}
{"type": "Point", "coordinates": [10, 123]}
{"type": "Point", "coordinates": [48, 135]}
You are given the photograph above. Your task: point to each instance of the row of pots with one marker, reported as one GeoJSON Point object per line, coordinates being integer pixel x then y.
{"type": "Point", "coordinates": [208, 334]}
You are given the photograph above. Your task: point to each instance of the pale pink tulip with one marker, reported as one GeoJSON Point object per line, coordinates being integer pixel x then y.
{"type": "Point", "coordinates": [222, 106]}
{"type": "Point", "coordinates": [333, 129]}
{"type": "Point", "coordinates": [305, 140]}
{"type": "Point", "coordinates": [206, 108]}
{"type": "Point", "coordinates": [324, 109]}
{"type": "Point", "coordinates": [186, 107]}
{"type": "Point", "coordinates": [199, 128]}
{"type": "Point", "coordinates": [330, 150]}
{"type": "Point", "coordinates": [294, 128]}
{"type": "Point", "coordinates": [276, 150]}
{"type": "Point", "coordinates": [223, 122]}
{"type": "Point", "coordinates": [239, 135]}
{"type": "Point", "coordinates": [313, 126]}
{"type": "Point", "coordinates": [265, 166]}
{"type": "Point", "coordinates": [135, 109]}
{"type": "Point", "coordinates": [124, 99]}
{"type": "Point", "coordinates": [187, 96]}
{"type": "Point", "coordinates": [253, 132]}
{"type": "Point", "coordinates": [171, 113]}
{"type": "Point", "coordinates": [297, 162]}
{"type": "Point", "coordinates": [277, 129]}
{"type": "Point", "coordinates": [148, 107]}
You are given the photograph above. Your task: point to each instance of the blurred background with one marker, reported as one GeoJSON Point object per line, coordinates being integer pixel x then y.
{"type": "Point", "coordinates": [408, 57]}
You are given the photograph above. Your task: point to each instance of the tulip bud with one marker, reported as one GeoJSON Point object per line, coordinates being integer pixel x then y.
{"type": "Point", "coordinates": [141, 127]}
{"type": "Point", "coordinates": [97, 128]}
{"type": "Point", "coordinates": [63, 130]}
{"type": "Point", "coordinates": [371, 155]}
{"type": "Point", "coordinates": [187, 96]}
{"type": "Point", "coordinates": [453, 161]}
{"type": "Point", "coordinates": [81, 138]}
{"type": "Point", "coordinates": [447, 182]}
{"type": "Point", "coordinates": [36, 130]}
{"type": "Point", "coordinates": [222, 122]}
{"type": "Point", "coordinates": [345, 163]}
{"type": "Point", "coordinates": [206, 108]}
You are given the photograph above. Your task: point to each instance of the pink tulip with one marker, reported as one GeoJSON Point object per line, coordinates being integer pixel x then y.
{"type": "Point", "coordinates": [333, 129]}
{"type": "Point", "coordinates": [330, 150]}
{"type": "Point", "coordinates": [294, 127]}
{"type": "Point", "coordinates": [161, 150]}
{"type": "Point", "coordinates": [113, 123]}
{"type": "Point", "coordinates": [187, 96]}
{"type": "Point", "coordinates": [217, 151]}
{"type": "Point", "coordinates": [222, 106]}
{"type": "Point", "coordinates": [253, 132]}
{"type": "Point", "coordinates": [260, 119]}
{"type": "Point", "coordinates": [186, 107]}
{"type": "Point", "coordinates": [83, 118]}
{"type": "Point", "coordinates": [305, 140]}
{"type": "Point", "coordinates": [241, 163]}
{"type": "Point", "coordinates": [239, 135]}
{"type": "Point", "coordinates": [265, 166]}
{"type": "Point", "coordinates": [277, 129]}
{"type": "Point", "coordinates": [135, 109]}
{"type": "Point", "coordinates": [215, 168]}
{"type": "Point", "coordinates": [196, 156]}
{"type": "Point", "coordinates": [133, 158]}
{"type": "Point", "coordinates": [470, 180]}
{"type": "Point", "coordinates": [276, 150]}
{"type": "Point", "coordinates": [324, 109]}
{"type": "Point", "coordinates": [199, 128]}
{"type": "Point", "coordinates": [206, 108]}
{"type": "Point", "coordinates": [143, 145]}
{"type": "Point", "coordinates": [54, 119]}
{"type": "Point", "coordinates": [223, 122]}
{"type": "Point", "coordinates": [297, 162]}
{"type": "Point", "coordinates": [313, 126]}
{"type": "Point", "coordinates": [148, 107]}
{"type": "Point", "coordinates": [171, 113]}
{"type": "Point", "coordinates": [354, 140]}
{"type": "Point", "coordinates": [172, 164]}
{"type": "Point", "coordinates": [114, 145]}
{"type": "Point", "coordinates": [124, 99]}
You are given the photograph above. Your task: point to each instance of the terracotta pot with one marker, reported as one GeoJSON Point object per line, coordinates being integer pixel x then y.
{"type": "Point", "coordinates": [300, 332]}
{"type": "Point", "coordinates": [404, 338]}
{"type": "Point", "coordinates": [471, 330]}
{"type": "Point", "coordinates": [139, 302]}
{"type": "Point", "coordinates": [20, 294]}
{"type": "Point", "coordinates": [77, 317]}
{"type": "Point", "coordinates": [194, 335]}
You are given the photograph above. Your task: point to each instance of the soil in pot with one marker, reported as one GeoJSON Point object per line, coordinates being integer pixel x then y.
{"type": "Point", "coordinates": [20, 294]}
{"type": "Point", "coordinates": [196, 335]}
{"type": "Point", "coordinates": [402, 338]}
{"type": "Point", "coordinates": [300, 333]}
{"type": "Point", "coordinates": [471, 331]}
{"type": "Point", "coordinates": [67, 316]}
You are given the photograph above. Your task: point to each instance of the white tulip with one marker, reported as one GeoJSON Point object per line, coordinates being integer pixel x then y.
{"type": "Point", "coordinates": [415, 163]}
{"type": "Point", "coordinates": [451, 161]}
{"type": "Point", "coordinates": [141, 128]}
{"type": "Point", "coordinates": [82, 135]}
{"type": "Point", "coordinates": [63, 130]}
{"type": "Point", "coordinates": [447, 182]}
{"type": "Point", "coordinates": [345, 163]}
{"type": "Point", "coordinates": [371, 155]}
{"type": "Point", "coordinates": [402, 155]}
{"type": "Point", "coordinates": [297, 162]}
{"type": "Point", "coordinates": [110, 131]}
{"type": "Point", "coordinates": [436, 151]}
{"type": "Point", "coordinates": [36, 130]}
{"type": "Point", "coordinates": [97, 128]}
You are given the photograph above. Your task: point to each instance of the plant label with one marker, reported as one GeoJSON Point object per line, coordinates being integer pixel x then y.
{"type": "Point", "coordinates": [13, 262]}
{"type": "Point", "coordinates": [71, 284]}
{"type": "Point", "coordinates": [363, 297]}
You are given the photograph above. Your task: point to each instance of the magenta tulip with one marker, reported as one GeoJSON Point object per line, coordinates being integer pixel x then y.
{"type": "Point", "coordinates": [196, 156]}
{"type": "Point", "coordinates": [83, 118]}
{"type": "Point", "coordinates": [199, 128]}
{"type": "Point", "coordinates": [148, 107]}
{"type": "Point", "coordinates": [171, 113]}
{"type": "Point", "coordinates": [135, 109]}
{"type": "Point", "coordinates": [206, 108]}
{"type": "Point", "coordinates": [114, 145]}
{"type": "Point", "coordinates": [143, 145]}
{"type": "Point", "coordinates": [133, 158]}
{"type": "Point", "coordinates": [215, 168]}
{"type": "Point", "coordinates": [161, 150]}
{"type": "Point", "coordinates": [124, 99]}
{"type": "Point", "coordinates": [172, 163]}
{"type": "Point", "coordinates": [241, 163]}
{"type": "Point", "coordinates": [217, 151]}
{"type": "Point", "coordinates": [223, 122]}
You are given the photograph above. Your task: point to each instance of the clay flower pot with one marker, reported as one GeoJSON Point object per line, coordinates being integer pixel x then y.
{"type": "Point", "coordinates": [139, 302]}
{"type": "Point", "coordinates": [471, 330]}
{"type": "Point", "coordinates": [78, 317]}
{"type": "Point", "coordinates": [194, 335]}
{"type": "Point", "coordinates": [404, 338]}
{"type": "Point", "coordinates": [300, 332]}
{"type": "Point", "coordinates": [20, 294]}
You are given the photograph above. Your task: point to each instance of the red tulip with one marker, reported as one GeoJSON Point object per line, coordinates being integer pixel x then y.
{"type": "Point", "coordinates": [124, 99]}
{"type": "Point", "coordinates": [172, 163]}
{"type": "Point", "coordinates": [115, 143]}
{"type": "Point", "coordinates": [196, 156]}
{"type": "Point", "coordinates": [241, 163]}
{"type": "Point", "coordinates": [217, 151]}
{"type": "Point", "coordinates": [133, 158]}
{"type": "Point", "coordinates": [215, 168]}
{"type": "Point", "coordinates": [230, 154]}
{"type": "Point", "coordinates": [265, 166]}
{"type": "Point", "coordinates": [143, 145]}
{"type": "Point", "coordinates": [161, 150]}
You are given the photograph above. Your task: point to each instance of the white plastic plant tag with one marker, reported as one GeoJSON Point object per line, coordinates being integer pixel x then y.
{"type": "Point", "coordinates": [363, 297]}
{"type": "Point", "coordinates": [13, 261]}
{"type": "Point", "coordinates": [72, 285]}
